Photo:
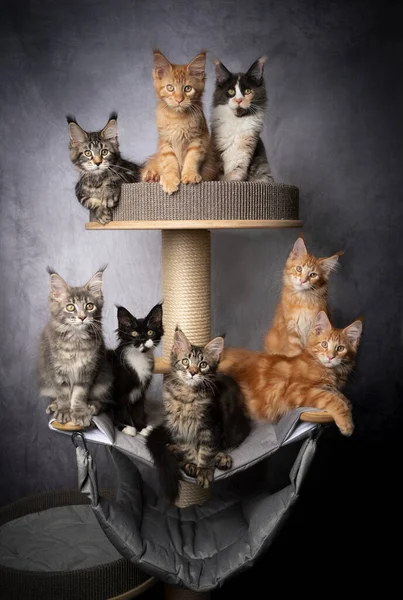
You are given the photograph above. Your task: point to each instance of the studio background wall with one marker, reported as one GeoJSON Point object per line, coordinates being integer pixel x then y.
{"type": "Point", "coordinates": [334, 129]}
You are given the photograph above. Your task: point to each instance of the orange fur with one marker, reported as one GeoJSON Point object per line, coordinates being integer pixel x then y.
{"type": "Point", "coordinates": [303, 296]}
{"type": "Point", "coordinates": [274, 385]}
{"type": "Point", "coordinates": [185, 151]}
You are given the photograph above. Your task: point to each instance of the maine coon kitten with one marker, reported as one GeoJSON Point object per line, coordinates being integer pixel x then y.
{"type": "Point", "coordinates": [102, 169]}
{"type": "Point", "coordinates": [72, 367]}
{"type": "Point", "coordinates": [239, 107]}
{"type": "Point", "coordinates": [185, 153]}
{"type": "Point", "coordinates": [133, 367]}
{"type": "Point", "coordinates": [204, 416]}
{"type": "Point", "coordinates": [274, 385]}
{"type": "Point", "coordinates": [335, 348]}
{"type": "Point", "coordinates": [305, 287]}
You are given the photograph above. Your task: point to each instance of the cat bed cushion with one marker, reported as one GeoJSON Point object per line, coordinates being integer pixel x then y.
{"type": "Point", "coordinates": [200, 546]}
{"type": "Point", "coordinates": [210, 200]}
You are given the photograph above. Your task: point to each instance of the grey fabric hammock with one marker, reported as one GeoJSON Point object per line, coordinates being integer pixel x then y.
{"type": "Point", "coordinates": [201, 546]}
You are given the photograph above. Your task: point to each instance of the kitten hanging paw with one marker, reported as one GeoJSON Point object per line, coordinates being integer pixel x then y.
{"type": "Point", "coordinates": [146, 430]}
{"type": "Point", "coordinates": [103, 215]}
{"type": "Point", "coordinates": [204, 477]}
{"type": "Point", "coordinates": [128, 430]}
{"type": "Point", "coordinates": [51, 408]}
{"type": "Point", "coordinates": [346, 428]}
{"type": "Point", "coordinates": [81, 417]}
{"type": "Point", "coordinates": [190, 177]}
{"type": "Point", "coordinates": [170, 184]}
{"type": "Point", "coordinates": [223, 462]}
{"type": "Point", "coordinates": [190, 469]}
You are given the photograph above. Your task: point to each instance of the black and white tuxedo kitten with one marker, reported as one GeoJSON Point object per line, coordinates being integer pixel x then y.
{"type": "Point", "coordinates": [239, 107]}
{"type": "Point", "coordinates": [101, 166]}
{"type": "Point", "coordinates": [133, 367]}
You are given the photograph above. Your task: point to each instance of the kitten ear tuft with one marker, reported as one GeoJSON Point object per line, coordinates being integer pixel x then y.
{"type": "Point", "coordinates": [77, 134]}
{"type": "Point", "coordinates": [299, 248]}
{"type": "Point", "coordinates": [215, 347]}
{"type": "Point", "coordinates": [197, 66]}
{"type": "Point", "coordinates": [125, 318]}
{"type": "Point", "coordinates": [256, 70]}
{"type": "Point", "coordinates": [162, 66]}
{"type": "Point", "coordinates": [221, 72]}
{"type": "Point", "coordinates": [154, 317]}
{"type": "Point", "coordinates": [181, 343]}
{"type": "Point", "coordinates": [94, 285]}
{"type": "Point", "coordinates": [110, 131]}
{"type": "Point", "coordinates": [330, 264]}
{"type": "Point", "coordinates": [353, 332]}
{"type": "Point", "coordinates": [58, 287]}
{"type": "Point", "coordinates": [322, 323]}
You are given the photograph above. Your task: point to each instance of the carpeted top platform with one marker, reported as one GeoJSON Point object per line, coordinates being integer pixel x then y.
{"type": "Point", "coordinates": [212, 200]}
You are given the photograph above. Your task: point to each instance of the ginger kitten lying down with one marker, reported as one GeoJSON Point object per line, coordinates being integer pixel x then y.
{"type": "Point", "coordinates": [274, 384]}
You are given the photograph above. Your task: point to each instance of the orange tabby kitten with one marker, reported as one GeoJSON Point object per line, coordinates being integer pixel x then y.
{"type": "Point", "coordinates": [304, 295]}
{"type": "Point", "coordinates": [185, 152]}
{"type": "Point", "coordinates": [274, 385]}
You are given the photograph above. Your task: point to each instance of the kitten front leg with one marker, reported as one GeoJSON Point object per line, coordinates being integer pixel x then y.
{"type": "Point", "coordinates": [169, 176]}
{"type": "Point", "coordinates": [110, 195]}
{"type": "Point", "coordinates": [81, 412]}
{"type": "Point", "coordinates": [195, 155]}
{"type": "Point", "coordinates": [237, 160]}
{"type": "Point", "coordinates": [102, 213]}
{"type": "Point", "coordinates": [205, 461]}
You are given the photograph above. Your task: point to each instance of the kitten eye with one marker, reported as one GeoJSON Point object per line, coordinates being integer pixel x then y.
{"type": "Point", "coordinates": [231, 92]}
{"type": "Point", "coordinates": [324, 344]}
{"type": "Point", "coordinates": [134, 334]}
{"type": "Point", "coordinates": [70, 307]}
{"type": "Point", "coordinates": [104, 152]}
{"type": "Point", "coordinates": [90, 306]}
{"type": "Point", "coordinates": [340, 348]}
{"type": "Point", "coordinates": [247, 91]}
{"type": "Point", "coordinates": [299, 269]}
{"type": "Point", "coordinates": [150, 332]}
{"type": "Point", "coordinates": [313, 274]}
{"type": "Point", "coordinates": [185, 362]}
{"type": "Point", "coordinates": [88, 153]}
{"type": "Point", "coordinates": [203, 364]}
{"type": "Point", "coordinates": [170, 88]}
{"type": "Point", "coordinates": [188, 88]}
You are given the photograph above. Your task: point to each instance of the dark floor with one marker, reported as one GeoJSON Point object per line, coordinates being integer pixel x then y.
{"type": "Point", "coordinates": [341, 534]}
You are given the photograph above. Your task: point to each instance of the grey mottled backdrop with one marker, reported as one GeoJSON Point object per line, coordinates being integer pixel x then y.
{"type": "Point", "coordinates": [334, 129]}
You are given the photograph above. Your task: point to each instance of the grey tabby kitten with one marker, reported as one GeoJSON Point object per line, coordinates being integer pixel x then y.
{"type": "Point", "coordinates": [205, 417]}
{"type": "Point", "coordinates": [239, 106]}
{"type": "Point", "coordinates": [102, 169]}
{"type": "Point", "coordinates": [72, 367]}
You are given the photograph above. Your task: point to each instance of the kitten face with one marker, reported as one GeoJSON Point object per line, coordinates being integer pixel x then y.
{"type": "Point", "coordinates": [144, 334]}
{"type": "Point", "coordinates": [179, 86]}
{"type": "Point", "coordinates": [243, 93]}
{"type": "Point", "coordinates": [305, 272]}
{"type": "Point", "coordinates": [334, 347]}
{"type": "Point", "coordinates": [195, 366]}
{"type": "Point", "coordinates": [94, 152]}
{"type": "Point", "coordinates": [77, 309]}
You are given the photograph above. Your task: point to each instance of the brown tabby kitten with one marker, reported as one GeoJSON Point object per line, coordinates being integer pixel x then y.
{"type": "Point", "coordinates": [274, 385]}
{"type": "Point", "coordinates": [335, 348]}
{"type": "Point", "coordinates": [185, 152]}
{"type": "Point", "coordinates": [305, 286]}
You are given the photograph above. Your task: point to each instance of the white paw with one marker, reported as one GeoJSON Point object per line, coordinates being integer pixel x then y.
{"type": "Point", "coordinates": [147, 430]}
{"type": "Point", "coordinates": [129, 430]}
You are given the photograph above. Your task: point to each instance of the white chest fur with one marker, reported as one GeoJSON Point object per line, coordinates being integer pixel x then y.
{"type": "Point", "coordinates": [141, 362]}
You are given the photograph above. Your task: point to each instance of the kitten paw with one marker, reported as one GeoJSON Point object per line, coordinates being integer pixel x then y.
{"type": "Point", "coordinates": [347, 428]}
{"type": "Point", "coordinates": [146, 430]}
{"type": "Point", "coordinates": [94, 407]}
{"type": "Point", "coordinates": [204, 477]}
{"type": "Point", "coordinates": [51, 408]}
{"type": "Point", "coordinates": [191, 177]}
{"type": "Point", "coordinates": [112, 201]}
{"type": "Point", "coordinates": [223, 461]}
{"type": "Point", "coordinates": [170, 184]}
{"type": "Point", "coordinates": [150, 176]}
{"type": "Point", "coordinates": [190, 469]}
{"type": "Point", "coordinates": [103, 215]}
{"type": "Point", "coordinates": [128, 430]}
{"type": "Point", "coordinates": [81, 417]}
{"type": "Point", "coordinates": [62, 415]}
{"type": "Point", "coordinates": [235, 176]}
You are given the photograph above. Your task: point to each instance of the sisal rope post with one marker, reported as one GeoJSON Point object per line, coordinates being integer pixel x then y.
{"type": "Point", "coordinates": [186, 288]}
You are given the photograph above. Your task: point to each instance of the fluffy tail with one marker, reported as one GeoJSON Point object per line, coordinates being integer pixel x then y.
{"type": "Point", "coordinates": [167, 465]}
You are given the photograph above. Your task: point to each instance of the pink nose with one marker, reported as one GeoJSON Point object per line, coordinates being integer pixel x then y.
{"type": "Point", "coordinates": [238, 100]}
{"type": "Point", "coordinates": [179, 101]}
{"type": "Point", "coordinates": [83, 318]}
{"type": "Point", "coordinates": [329, 358]}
